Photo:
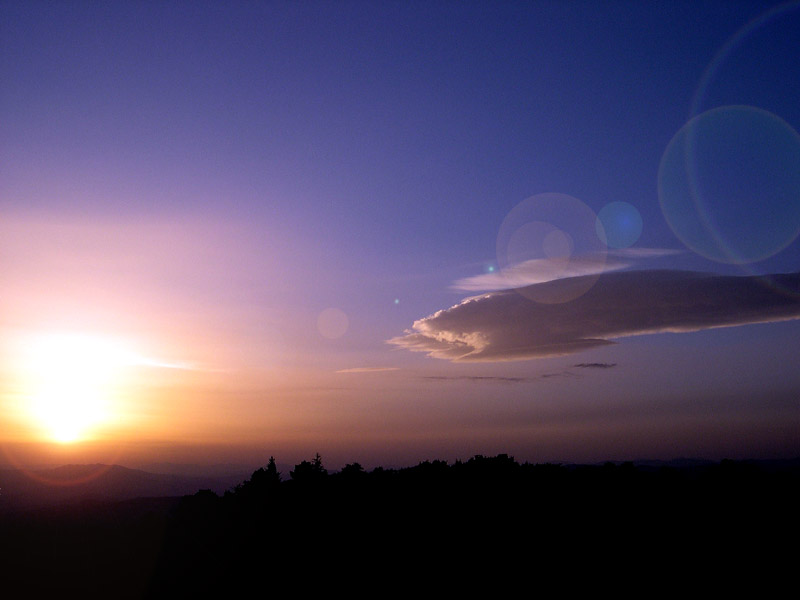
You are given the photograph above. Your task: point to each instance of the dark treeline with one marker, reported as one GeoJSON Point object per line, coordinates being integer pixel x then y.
{"type": "Point", "coordinates": [482, 523]}
{"type": "Point", "coordinates": [488, 525]}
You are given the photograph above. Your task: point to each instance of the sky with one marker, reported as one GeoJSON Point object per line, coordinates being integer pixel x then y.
{"type": "Point", "coordinates": [396, 231]}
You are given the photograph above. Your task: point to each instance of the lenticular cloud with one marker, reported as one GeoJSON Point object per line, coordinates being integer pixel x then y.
{"type": "Point", "coordinates": [507, 325]}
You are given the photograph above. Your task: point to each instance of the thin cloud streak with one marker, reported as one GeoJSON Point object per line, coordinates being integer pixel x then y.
{"type": "Point", "coordinates": [499, 379]}
{"type": "Point", "coordinates": [542, 270]}
{"type": "Point", "coordinates": [478, 378]}
{"type": "Point", "coordinates": [505, 325]}
{"type": "Point", "coordinates": [368, 369]}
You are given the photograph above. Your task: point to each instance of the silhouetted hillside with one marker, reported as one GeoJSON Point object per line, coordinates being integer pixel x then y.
{"type": "Point", "coordinates": [474, 526]}
{"type": "Point", "coordinates": [482, 526]}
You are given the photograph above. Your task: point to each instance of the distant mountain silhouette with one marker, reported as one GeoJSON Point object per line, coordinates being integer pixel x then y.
{"type": "Point", "coordinates": [224, 470]}
{"type": "Point", "coordinates": [48, 487]}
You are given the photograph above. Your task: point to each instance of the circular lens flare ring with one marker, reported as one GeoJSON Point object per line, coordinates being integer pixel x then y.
{"type": "Point", "coordinates": [729, 184]}
{"type": "Point", "coordinates": [551, 238]}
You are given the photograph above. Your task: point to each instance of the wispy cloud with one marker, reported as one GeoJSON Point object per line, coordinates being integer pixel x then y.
{"type": "Point", "coordinates": [542, 270]}
{"type": "Point", "coordinates": [500, 379]}
{"type": "Point", "coordinates": [559, 374]}
{"type": "Point", "coordinates": [478, 378]}
{"type": "Point", "coordinates": [367, 369]}
{"type": "Point", "coordinates": [505, 325]}
{"type": "Point", "coordinates": [487, 378]}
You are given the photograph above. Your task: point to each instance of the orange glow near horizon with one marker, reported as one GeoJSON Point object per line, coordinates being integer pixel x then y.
{"type": "Point", "coordinates": [74, 389]}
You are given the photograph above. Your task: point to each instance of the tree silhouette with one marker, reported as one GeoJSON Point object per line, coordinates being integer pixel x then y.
{"type": "Point", "coordinates": [316, 463]}
{"type": "Point", "coordinates": [453, 512]}
{"type": "Point", "coordinates": [353, 470]}
{"type": "Point", "coordinates": [309, 472]}
{"type": "Point", "coordinates": [269, 477]}
{"type": "Point", "coordinates": [262, 484]}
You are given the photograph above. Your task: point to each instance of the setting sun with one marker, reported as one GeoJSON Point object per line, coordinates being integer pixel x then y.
{"type": "Point", "coordinates": [70, 383]}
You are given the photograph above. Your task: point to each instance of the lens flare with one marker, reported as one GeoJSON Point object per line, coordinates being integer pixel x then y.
{"type": "Point", "coordinates": [769, 41]}
{"type": "Point", "coordinates": [619, 225]}
{"type": "Point", "coordinates": [729, 184]}
{"type": "Point", "coordinates": [332, 323]}
{"type": "Point", "coordinates": [555, 235]}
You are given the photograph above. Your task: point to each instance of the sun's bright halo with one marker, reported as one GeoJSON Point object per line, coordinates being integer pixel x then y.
{"type": "Point", "coordinates": [70, 382]}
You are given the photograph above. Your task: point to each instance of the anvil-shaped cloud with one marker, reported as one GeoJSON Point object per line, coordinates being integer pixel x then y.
{"type": "Point", "coordinates": [507, 325]}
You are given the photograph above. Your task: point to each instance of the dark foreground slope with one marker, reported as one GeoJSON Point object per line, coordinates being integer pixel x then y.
{"type": "Point", "coordinates": [487, 525]}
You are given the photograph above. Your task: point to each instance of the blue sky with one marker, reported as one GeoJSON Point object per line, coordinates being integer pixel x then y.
{"type": "Point", "coordinates": [214, 177]}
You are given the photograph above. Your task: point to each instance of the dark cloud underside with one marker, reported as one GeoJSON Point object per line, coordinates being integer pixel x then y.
{"type": "Point", "coordinates": [507, 325]}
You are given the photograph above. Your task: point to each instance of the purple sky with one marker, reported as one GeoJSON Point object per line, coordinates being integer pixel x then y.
{"type": "Point", "coordinates": [268, 204]}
